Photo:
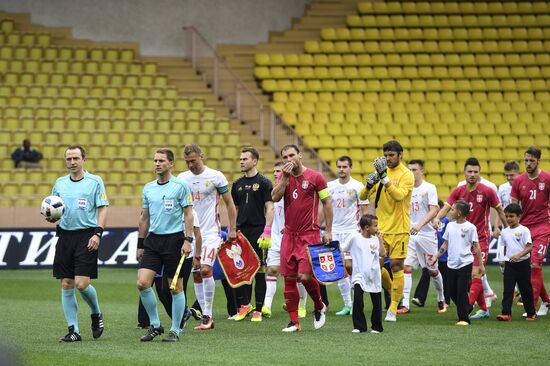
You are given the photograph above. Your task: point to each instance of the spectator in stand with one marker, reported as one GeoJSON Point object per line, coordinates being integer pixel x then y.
{"type": "Point", "coordinates": [26, 157]}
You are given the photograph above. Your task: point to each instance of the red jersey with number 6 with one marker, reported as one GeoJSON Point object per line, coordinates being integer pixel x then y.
{"type": "Point", "coordinates": [481, 199]}
{"type": "Point", "coordinates": [302, 201]}
{"type": "Point", "coordinates": [533, 195]}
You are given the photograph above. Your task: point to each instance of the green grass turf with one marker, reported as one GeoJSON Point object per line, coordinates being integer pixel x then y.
{"type": "Point", "coordinates": [32, 320]}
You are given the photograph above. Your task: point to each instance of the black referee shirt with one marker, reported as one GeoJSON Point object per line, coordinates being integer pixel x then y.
{"type": "Point", "coordinates": [250, 196]}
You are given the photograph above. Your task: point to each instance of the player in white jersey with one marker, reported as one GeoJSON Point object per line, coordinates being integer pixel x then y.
{"type": "Point", "coordinates": [423, 242]}
{"type": "Point", "coordinates": [511, 171]}
{"type": "Point", "coordinates": [347, 210]}
{"type": "Point", "coordinates": [490, 295]}
{"type": "Point", "coordinates": [273, 260]}
{"type": "Point", "coordinates": [207, 185]}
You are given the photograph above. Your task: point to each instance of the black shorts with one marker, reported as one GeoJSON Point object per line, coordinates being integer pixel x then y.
{"type": "Point", "coordinates": [72, 257]}
{"type": "Point", "coordinates": [162, 250]}
{"type": "Point", "coordinates": [253, 233]}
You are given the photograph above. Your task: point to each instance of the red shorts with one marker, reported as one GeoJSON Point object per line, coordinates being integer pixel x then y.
{"type": "Point", "coordinates": [294, 257]}
{"type": "Point", "coordinates": [484, 248]}
{"type": "Point", "coordinates": [540, 236]}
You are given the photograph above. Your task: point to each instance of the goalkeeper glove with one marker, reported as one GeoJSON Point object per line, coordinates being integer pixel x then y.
{"type": "Point", "coordinates": [372, 179]}
{"type": "Point", "coordinates": [264, 242]}
{"type": "Point", "coordinates": [381, 167]}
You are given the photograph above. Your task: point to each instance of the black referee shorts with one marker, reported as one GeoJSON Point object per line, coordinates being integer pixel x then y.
{"type": "Point", "coordinates": [162, 250]}
{"type": "Point", "coordinates": [72, 257]}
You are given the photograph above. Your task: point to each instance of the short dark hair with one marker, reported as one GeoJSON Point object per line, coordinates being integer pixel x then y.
{"type": "Point", "coordinates": [392, 145]}
{"type": "Point", "coordinates": [534, 151]}
{"type": "Point", "coordinates": [192, 148]}
{"type": "Point", "coordinates": [77, 147]}
{"type": "Point", "coordinates": [463, 207]}
{"type": "Point", "coordinates": [418, 162]}
{"type": "Point", "coordinates": [255, 154]}
{"type": "Point", "coordinates": [440, 203]}
{"type": "Point", "coordinates": [169, 153]}
{"type": "Point", "coordinates": [513, 208]}
{"type": "Point", "coordinates": [472, 162]}
{"type": "Point", "coordinates": [290, 146]}
{"type": "Point", "coordinates": [366, 220]}
{"type": "Point", "coordinates": [511, 165]}
{"type": "Point", "coordinates": [345, 158]}
{"type": "Point", "coordinates": [279, 163]}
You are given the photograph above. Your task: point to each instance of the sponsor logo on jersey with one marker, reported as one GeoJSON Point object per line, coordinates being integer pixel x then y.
{"type": "Point", "coordinates": [326, 261]}
{"type": "Point", "coordinates": [255, 187]}
{"type": "Point", "coordinates": [305, 184]}
{"type": "Point", "coordinates": [541, 186]}
{"type": "Point", "coordinates": [479, 198]}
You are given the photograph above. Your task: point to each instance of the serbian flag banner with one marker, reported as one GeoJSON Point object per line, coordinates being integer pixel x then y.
{"type": "Point", "coordinates": [326, 261]}
{"type": "Point", "coordinates": [239, 261]}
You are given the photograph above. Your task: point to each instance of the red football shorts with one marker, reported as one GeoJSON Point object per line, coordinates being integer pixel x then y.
{"type": "Point", "coordinates": [294, 258]}
{"type": "Point", "coordinates": [484, 248]}
{"type": "Point", "coordinates": [540, 236]}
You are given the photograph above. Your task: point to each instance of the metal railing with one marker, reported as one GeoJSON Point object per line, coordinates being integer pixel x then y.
{"type": "Point", "coordinates": [229, 88]}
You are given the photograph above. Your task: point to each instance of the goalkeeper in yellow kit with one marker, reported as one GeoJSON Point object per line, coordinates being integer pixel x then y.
{"type": "Point", "coordinates": [390, 188]}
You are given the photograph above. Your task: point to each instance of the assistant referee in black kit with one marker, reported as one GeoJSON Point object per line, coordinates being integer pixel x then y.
{"type": "Point", "coordinates": [252, 196]}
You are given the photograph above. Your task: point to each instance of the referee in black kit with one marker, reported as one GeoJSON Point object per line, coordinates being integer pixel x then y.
{"type": "Point", "coordinates": [252, 196]}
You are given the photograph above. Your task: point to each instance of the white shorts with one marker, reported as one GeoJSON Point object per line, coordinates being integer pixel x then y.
{"type": "Point", "coordinates": [420, 250]}
{"type": "Point", "coordinates": [343, 238]}
{"type": "Point", "coordinates": [274, 253]}
{"type": "Point", "coordinates": [210, 247]}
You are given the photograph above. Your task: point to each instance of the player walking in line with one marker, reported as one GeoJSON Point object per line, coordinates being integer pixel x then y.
{"type": "Point", "coordinates": [511, 171]}
{"type": "Point", "coordinates": [532, 191]}
{"type": "Point", "coordinates": [347, 209]}
{"type": "Point", "coordinates": [207, 185]}
{"type": "Point", "coordinates": [161, 236]}
{"type": "Point", "coordinates": [516, 240]}
{"type": "Point", "coordinates": [273, 260]}
{"type": "Point", "coordinates": [488, 292]}
{"type": "Point", "coordinates": [481, 198]}
{"type": "Point", "coordinates": [365, 252]}
{"type": "Point", "coordinates": [390, 188]}
{"type": "Point", "coordinates": [460, 238]}
{"type": "Point", "coordinates": [423, 241]}
{"type": "Point", "coordinates": [252, 196]}
{"type": "Point", "coordinates": [79, 232]}
{"type": "Point", "coordinates": [301, 188]}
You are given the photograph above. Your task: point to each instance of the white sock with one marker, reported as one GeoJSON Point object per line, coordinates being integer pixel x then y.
{"type": "Point", "coordinates": [487, 290]}
{"type": "Point", "coordinates": [199, 293]}
{"type": "Point", "coordinates": [345, 290]}
{"type": "Point", "coordinates": [209, 287]}
{"type": "Point", "coordinates": [271, 288]}
{"type": "Point", "coordinates": [303, 295]}
{"type": "Point", "coordinates": [438, 284]}
{"type": "Point", "coordinates": [407, 289]}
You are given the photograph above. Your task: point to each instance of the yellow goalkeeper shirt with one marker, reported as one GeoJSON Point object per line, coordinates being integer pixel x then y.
{"type": "Point", "coordinates": [393, 207]}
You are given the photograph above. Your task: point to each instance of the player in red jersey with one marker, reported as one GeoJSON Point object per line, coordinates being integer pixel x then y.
{"type": "Point", "coordinates": [302, 189]}
{"type": "Point", "coordinates": [532, 190]}
{"type": "Point", "coordinates": [481, 199]}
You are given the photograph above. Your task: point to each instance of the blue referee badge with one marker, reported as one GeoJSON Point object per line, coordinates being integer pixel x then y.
{"type": "Point", "coordinates": [326, 261]}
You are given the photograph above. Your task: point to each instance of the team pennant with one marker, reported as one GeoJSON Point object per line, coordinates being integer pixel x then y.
{"type": "Point", "coordinates": [238, 261]}
{"type": "Point", "coordinates": [326, 261]}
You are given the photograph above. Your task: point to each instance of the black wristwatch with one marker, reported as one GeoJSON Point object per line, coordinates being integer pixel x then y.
{"type": "Point", "coordinates": [188, 238]}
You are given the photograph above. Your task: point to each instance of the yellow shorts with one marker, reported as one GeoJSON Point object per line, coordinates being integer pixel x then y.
{"type": "Point", "coordinates": [396, 245]}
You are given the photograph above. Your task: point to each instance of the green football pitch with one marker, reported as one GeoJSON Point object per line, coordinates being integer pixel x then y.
{"type": "Point", "coordinates": [32, 321]}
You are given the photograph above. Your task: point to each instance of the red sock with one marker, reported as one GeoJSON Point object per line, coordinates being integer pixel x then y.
{"type": "Point", "coordinates": [292, 297]}
{"type": "Point", "coordinates": [536, 282]}
{"type": "Point", "coordinates": [476, 294]}
{"type": "Point", "coordinates": [543, 293]}
{"type": "Point", "coordinates": [313, 289]}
